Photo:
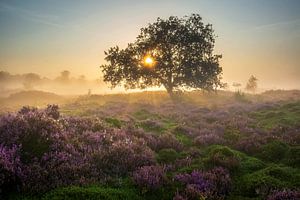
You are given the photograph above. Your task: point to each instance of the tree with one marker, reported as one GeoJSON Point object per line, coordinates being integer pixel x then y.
{"type": "Point", "coordinates": [30, 80]}
{"type": "Point", "coordinates": [64, 76]}
{"type": "Point", "coordinates": [252, 84]}
{"type": "Point", "coordinates": [176, 53]}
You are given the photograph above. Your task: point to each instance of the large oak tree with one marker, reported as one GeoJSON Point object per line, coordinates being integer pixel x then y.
{"type": "Point", "coordinates": [176, 53]}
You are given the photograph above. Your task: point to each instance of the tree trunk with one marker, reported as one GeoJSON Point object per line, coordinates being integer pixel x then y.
{"type": "Point", "coordinates": [169, 89]}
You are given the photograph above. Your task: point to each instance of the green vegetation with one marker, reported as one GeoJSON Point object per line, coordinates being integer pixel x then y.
{"type": "Point", "coordinates": [286, 115]}
{"type": "Point", "coordinates": [91, 193]}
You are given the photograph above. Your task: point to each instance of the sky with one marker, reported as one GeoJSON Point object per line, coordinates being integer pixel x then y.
{"type": "Point", "coordinates": [257, 37]}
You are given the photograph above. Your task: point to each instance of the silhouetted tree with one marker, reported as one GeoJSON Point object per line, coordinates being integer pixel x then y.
{"type": "Point", "coordinates": [30, 80]}
{"type": "Point", "coordinates": [64, 76]}
{"type": "Point", "coordinates": [252, 84]}
{"type": "Point", "coordinates": [176, 53]}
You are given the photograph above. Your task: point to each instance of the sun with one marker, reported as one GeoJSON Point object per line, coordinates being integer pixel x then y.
{"type": "Point", "coordinates": [148, 61]}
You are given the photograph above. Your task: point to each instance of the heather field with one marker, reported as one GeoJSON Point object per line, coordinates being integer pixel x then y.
{"type": "Point", "coordinates": [202, 146]}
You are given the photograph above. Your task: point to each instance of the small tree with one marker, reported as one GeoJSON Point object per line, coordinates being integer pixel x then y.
{"type": "Point", "coordinates": [252, 84]}
{"type": "Point", "coordinates": [176, 53]}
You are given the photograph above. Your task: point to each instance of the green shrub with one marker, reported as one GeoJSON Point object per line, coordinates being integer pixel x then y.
{"type": "Point", "coordinates": [222, 156]}
{"type": "Point", "coordinates": [251, 164]}
{"type": "Point", "coordinates": [114, 122]}
{"type": "Point", "coordinates": [293, 157]}
{"type": "Point", "coordinates": [274, 151]}
{"type": "Point", "coordinates": [187, 141]}
{"type": "Point", "coordinates": [167, 155]}
{"type": "Point", "coordinates": [232, 135]}
{"type": "Point", "coordinates": [263, 181]}
{"type": "Point", "coordinates": [91, 193]}
{"type": "Point", "coordinates": [243, 198]}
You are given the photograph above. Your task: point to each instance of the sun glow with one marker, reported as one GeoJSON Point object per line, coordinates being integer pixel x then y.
{"type": "Point", "coordinates": [148, 61]}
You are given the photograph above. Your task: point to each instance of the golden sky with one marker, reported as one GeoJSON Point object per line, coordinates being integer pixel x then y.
{"type": "Point", "coordinates": [260, 38]}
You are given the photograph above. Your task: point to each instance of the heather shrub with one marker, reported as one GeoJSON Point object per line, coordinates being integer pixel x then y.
{"type": "Point", "coordinates": [52, 111]}
{"type": "Point", "coordinates": [167, 156]}
{"type": "Point", "coordinates": [10, 171]}
{"type": "Point", "coordinates": [123, 156]}
{"type": "Point", "coordinates": [252, 144]}
{"type": "Point", "coordinates": [152, 141]}
{"type": "Point", "coordinates": [274, 151]}
{"type": "Point", "coordinates": [78, 125]}
{"type": "Point", "coordinates": [91, 193]}
{"type": "Point", "coordinates": [150, 125]}
{"type": "Point", "coordinates": [213, 184]}
{"type": "Point", "coordinates": [208, 139]}
{"type": "Point", "coordinates": [284, 195]}
{"type": "Point", "coordinates": [194, 184]}
{"type": "Point", "coordinates": [168, 140]}
{"type": "Point", "coordinates": [149, 177]}
{"type": "Point", "coordinates": [220, 181]}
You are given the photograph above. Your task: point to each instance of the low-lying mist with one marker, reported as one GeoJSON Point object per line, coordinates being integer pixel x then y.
{"type": "Point", "coordinates": [63, 84]}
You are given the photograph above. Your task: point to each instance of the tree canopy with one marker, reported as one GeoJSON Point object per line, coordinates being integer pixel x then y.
{"type": "Point", "coordinates": [252, 84]}
{"type": "Point", "coordinates": [176, 53]}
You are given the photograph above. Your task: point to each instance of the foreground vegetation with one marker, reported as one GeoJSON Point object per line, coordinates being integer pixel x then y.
{"type": "Point", "coordinates": [145, 146]}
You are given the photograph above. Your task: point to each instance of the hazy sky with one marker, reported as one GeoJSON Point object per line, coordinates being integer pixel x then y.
{"type": "Point", "coordinates": [259, 37]}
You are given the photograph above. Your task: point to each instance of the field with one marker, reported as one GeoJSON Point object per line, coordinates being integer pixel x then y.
{"type": "Point", "coordinates": [224, 145]}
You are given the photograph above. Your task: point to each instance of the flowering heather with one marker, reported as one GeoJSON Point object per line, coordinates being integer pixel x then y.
{"type": "Point", "coordinates": [122, 157]}
{"type": "Point", "coordinates": [220, 180]}
{"type": "Point", "coordinates": [179, 197]}
{"type": "Point", "coordinates": [43, 151]}
{"type": "Point", "coordinates": [209, 139]}
{"type": "Point", "coordinates": [252, 144]}
{"type": "Point", "coordinates": [149, 177]}
{"type": "Point", "coordinates": [169, 141]}
{"type": "Point", "coordinates": [284, 195]}
{"type": "Point", "coordinates": [10, 166]}
{"type": "Point", "coordinates": [213, 184]}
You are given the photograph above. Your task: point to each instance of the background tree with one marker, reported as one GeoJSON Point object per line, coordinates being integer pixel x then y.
{"type": "Point", "coordinates": [176, 53]}
{"type": "Point", "coordinates": [64, 76]}
{"type": "Point", "coordinates": [30, 80]}
{"type": "Point", "coordinates": [252, 84]}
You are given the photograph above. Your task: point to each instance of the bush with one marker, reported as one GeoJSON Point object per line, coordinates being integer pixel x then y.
{"type": "Point", "coordinates": [91, 193]}
{"type": "Point", "coordinates": [293, 157]}
{"type": "Point", "coordinates": [123, 156]}
{"type": "Point", "coordinates": [168, 140]}
{"type": "Point", "coordinates": [284, 195]}
{"type": "Point", "coordinates": [149, 177]}
{"type": "Point", "coordinates": [274, 151]}
{"type": "Point", "coordinates": [114, 122]}
{"type": "Point", "coordinates": [9, 169]}
{"type": "Point", "coordinates": [251, 164]}
{"type": "Point", "coordinates": [208, 139]}
{"type": "Point", "coordinates": [213, 184]}
{"type": "Point", "coordinates": [263, 181]}
{"type": "Point", "coordinates": [232, 135]}
{"type": "Point", "coordinates": [167, 156]}
{"type": "Point", "coordinates": [222, 156]}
